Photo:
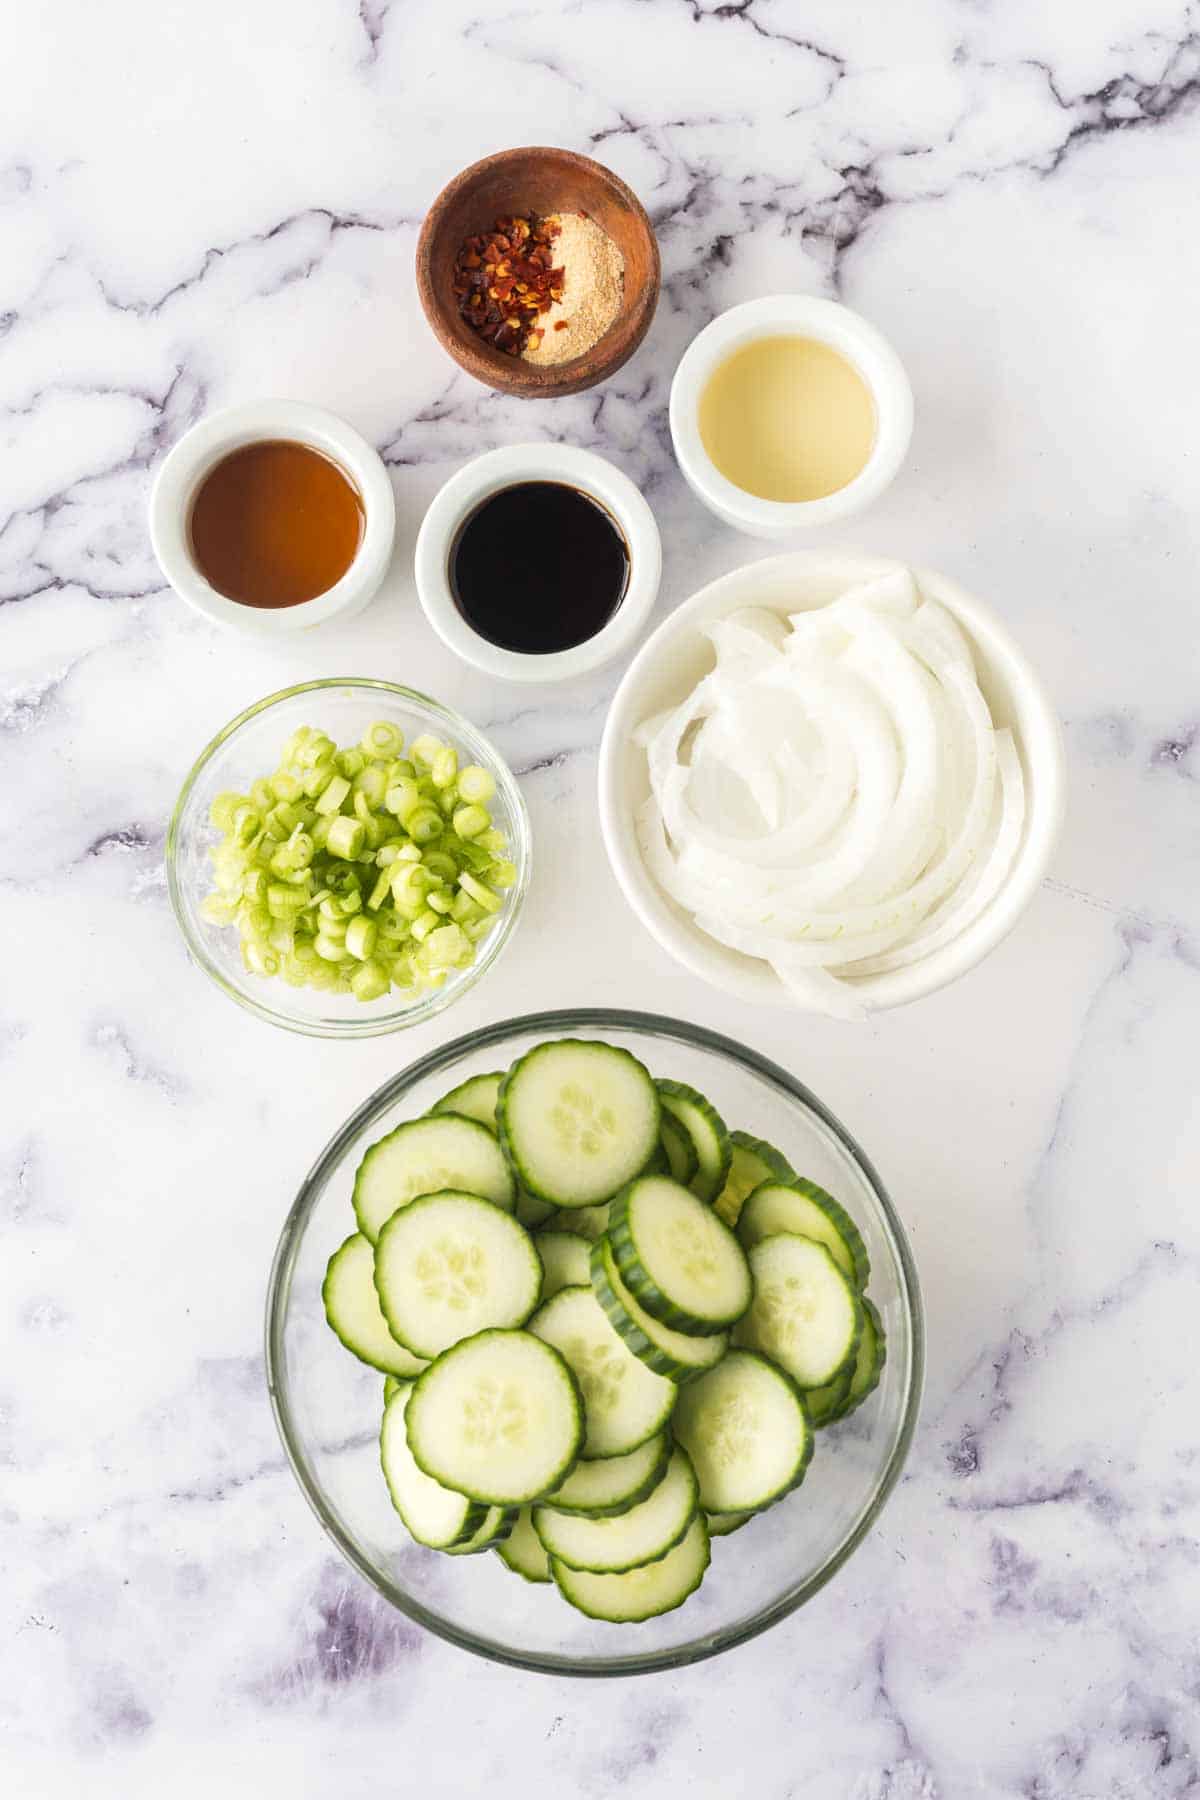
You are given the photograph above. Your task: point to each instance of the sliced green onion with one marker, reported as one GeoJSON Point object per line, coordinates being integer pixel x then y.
{"type": "Point", "coordinates": [469, 821]}
{"type": "Point", "coordinates": [371, 982]}
{"type": "Point", "coordinates": [333, 795]}
{"type": "Point", "coordinates": [424, 824]}
{"type": "Point", "coordinates": [361, 934]}
{"type": "Point", "coordinates": [476, 785]}
{"type": "Point", "coordinates": [383, 740]}
{"type": "Point", "coordinates": [482, 895]}
{"type": "Point", "coordinates": [346, 837]}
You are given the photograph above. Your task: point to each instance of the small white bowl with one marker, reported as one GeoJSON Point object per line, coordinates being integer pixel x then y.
{"type": "Point", "coordinates": [791, 315]}
{"type": "Point", "coordinates": [487, 474]}
{"type": "Point", "coordinates": [257, 422]}
{"type": "Point", "coordinates": [675, 658]}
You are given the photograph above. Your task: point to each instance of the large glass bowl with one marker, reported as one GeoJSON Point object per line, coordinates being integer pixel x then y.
{"type": "Point", "coordinates": [328, 1405]}
{"type": "Point", "coordinates": [249, 747]}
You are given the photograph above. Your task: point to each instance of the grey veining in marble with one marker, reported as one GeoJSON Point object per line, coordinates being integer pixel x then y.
{"type": "Point", "coordinates": [202, 205]}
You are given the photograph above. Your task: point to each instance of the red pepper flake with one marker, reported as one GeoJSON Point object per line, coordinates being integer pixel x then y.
{"type": "Point", "coordinates": [505, 279]}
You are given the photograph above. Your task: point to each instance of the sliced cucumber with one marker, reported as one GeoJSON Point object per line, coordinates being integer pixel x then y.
{"type": "Point", "coordinates": [521, 1551]}
{"type": "Point", "coordinates": [625, 1402]}
{"type": "Point", "coordinates": [680, 1152]}
{"type": "Point", "coordinates": [426, 1156]}
{"type": "Point", "coordinates": [643, 1593]}
{"type": "Point", "coordinates": [825, 1404]}
{"type": "Point", "coordinates": [498, 1522]}
{"type": "Point", "coordinates": [680, 1262]}
{"type": "Point", "coordinates": [589, 1221]}
{"type": "Point", "coordinates": [391, 1383]}
{"type": "Point", "coordinates": [706, 1128]}
{"type": "Point", "coordinates": [352, 1308]}
{"type": "Point", "coordinates": [803, 1207]}
{"type": "Point", "coordinates": [724, 1524]}
{"type": "Point", "coordinates": [448, 1265]}
{"type": "Point", "coordinates": [577, 1120]}
{"type": "Point", "coordinates": [807, 1315]}
{"type": "Point", "coordinates": [641, 1535]}
{"type": "Point", "coordinates": [754, 1161]}
{"type": "Point", "coordinates": [474, 1098]}
{"type": "Point", "coordinates": [667, 1352]}
{"type": "Point", "coordinates": [565, 1260]}
{"type": "Point", "coordinates": [868, 1364]}
{"type": "Point", "coordinates": [499, 1418]}
{"type": "Point", "coordinates": [610, 1485]}
{"type": "Point", "coordinates": [433, 1514]}
{"type": "Point", "coordinates": [746, 1429]}
{"type": "Point", "coordinates": [533, 1212]}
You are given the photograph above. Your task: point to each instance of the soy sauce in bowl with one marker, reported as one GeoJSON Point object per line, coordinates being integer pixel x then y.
{"type": "Point", "coordinates": [538, 567]}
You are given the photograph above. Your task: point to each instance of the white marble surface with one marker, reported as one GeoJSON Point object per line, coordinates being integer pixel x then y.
{"type": "Point", "coordinates": [203, 204]}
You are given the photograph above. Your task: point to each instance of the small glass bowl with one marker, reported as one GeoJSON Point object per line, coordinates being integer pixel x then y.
{"type": "Point", "coordinates": [249, 747]}
{"type": "Point", "coordinates": [328, 1405]}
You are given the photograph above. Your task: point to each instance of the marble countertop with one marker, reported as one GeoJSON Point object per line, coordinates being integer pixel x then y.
{"type": "Point", "coordinates": [203, 205]}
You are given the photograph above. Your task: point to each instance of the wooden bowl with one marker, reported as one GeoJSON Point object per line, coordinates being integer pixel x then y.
{"type": "Point", "coordinates": [538, 179]}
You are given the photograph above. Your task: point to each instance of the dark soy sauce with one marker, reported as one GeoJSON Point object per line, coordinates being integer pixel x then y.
{"type": "Point", "coordinates": [538, 567]}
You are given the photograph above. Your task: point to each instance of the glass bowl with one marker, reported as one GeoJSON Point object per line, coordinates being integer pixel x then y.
{"type": "Point", "coordinates": [249, 747]}
{"type": "Point", "coordinates": [328, 1405]}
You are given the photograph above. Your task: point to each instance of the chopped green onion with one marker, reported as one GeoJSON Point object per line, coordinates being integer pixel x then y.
{"type": "Point", "coordinates": [424, 748]}
{"type": "Point", "coordinates": [371, 982]}
{"type": "Point", "coordinates": [383, 740]}
{"type": "Point", "coordinates": [350, 762]}
{"type": "Point", "coordinates": [346, 836]}
{"type": "Point", "coordinates": [483, 895]}
{"type": "Point", "coordinates": [469, 821]}
{"type": "Point", "coordinates": [444, 767]}
{"type": "Point", "coordinates": [360, 937]}
{"type": "Point", "coordinates": [424, 824]}
{"type": "Point", "coordinates": [333, 795]}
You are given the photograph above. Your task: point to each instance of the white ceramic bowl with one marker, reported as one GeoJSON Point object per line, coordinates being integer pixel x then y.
{"type": "Point", "coordinates": [260, 420]}
{"type": "Point", "coordinates": [791, 315]}
{"type": "Point", "coordinates": [671, 662]}
{"type": "Point", "coordinates": [497, 469]}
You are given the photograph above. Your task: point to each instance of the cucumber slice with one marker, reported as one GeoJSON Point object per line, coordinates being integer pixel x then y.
{"type": "Point", "coordinates": [642, 1535]}
{"type": "Point", "coordinates": [565, 1260]}
{"type": "Point", "coordinates": [499, 1418]}
{"type": "Point", "coordinates": [474, 1098]}
{"type": "Point", "coordinates": [667, 1352]}
{"type": "Point", "coordinates": [643, 1593]}
{"type": "Point", "coordinates": [589, 1221]}
{"type": "Point", "coordinates": [754, 1161]}
{"type": "Point", "coordinates": [449, 1265]}
{"type": "Point", "coordinates": [432, 1513]}
{"type": "Point", "coordinates": [682, 1161]}
{"type": "Point", "coordinates": [531, 1211]}
{"type": "Point", "coordinates": [577, 1120]}
{"type": "Point", "coordinates": [804, 1208]}
{"type": "Point", "coordinates": [825, 1404]}
{"type": "Point", "coordinates": [706, 1129]}
{"type": "Point", "coordinates": [625, 1402]}
{"type": "Point", "coordinates": [807, 1315]}
{"type": "Point", "coordinates": [352, 1308]}
{"type": "Point", "coordinates": [868, 1364]}
{"type": "Point", "coordinates": [745, 1427]}
{"type": "Point", "coordinates": [610, 1485]}
{"type": "Point", "coordinates": [724, 1524]}
{"type": "Point", "coordinates": [521, 1551]}
{"type": "Point", "coordinates": [680, 1262]}
{"type": "Point", "coordinates": [391, 1383]}
{"type": "Point", "coordinates": [498, 1522]}
{"type": "Point", "coordinates": [426, 1156]}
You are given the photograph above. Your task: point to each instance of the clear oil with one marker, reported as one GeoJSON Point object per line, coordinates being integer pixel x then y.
{"type": "Point", "coordinates": [788, 418]}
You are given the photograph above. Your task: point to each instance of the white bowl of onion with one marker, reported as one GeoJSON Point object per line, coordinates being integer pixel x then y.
{"type": "Point", "coordinates": [830, 782]}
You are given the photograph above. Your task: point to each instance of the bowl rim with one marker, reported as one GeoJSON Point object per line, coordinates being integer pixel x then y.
{"type": "Point", "coordinates": [417, 1012]}
{"type": "Point", "coordinates": [1039, 739]}
{"type": "Point", "coordinates": [509, 375]}
{"type": "Point", "coordinates": [711, 1643]}
{"type": "Point", "coordinates": [830, 322]}
{"type": "Point", "coordinates": [490, 473]}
